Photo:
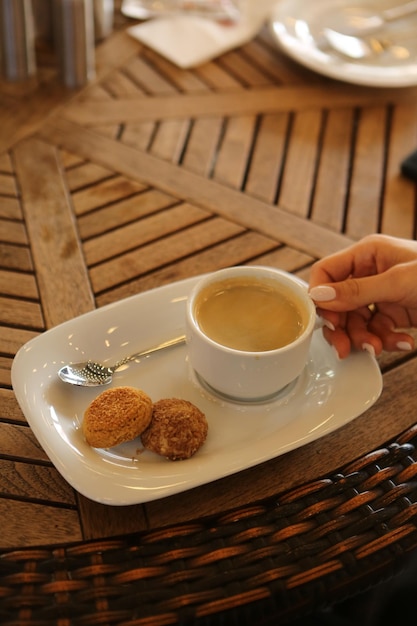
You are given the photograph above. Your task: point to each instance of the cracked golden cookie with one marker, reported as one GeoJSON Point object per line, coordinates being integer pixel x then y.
{"type": "Point", "coordinates": [116, 415]}
{"type": "Point", "coordinates": [177, 429]}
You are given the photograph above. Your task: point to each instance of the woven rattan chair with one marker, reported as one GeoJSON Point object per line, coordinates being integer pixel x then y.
{"type": "Point", "coordinates": [269, 563]}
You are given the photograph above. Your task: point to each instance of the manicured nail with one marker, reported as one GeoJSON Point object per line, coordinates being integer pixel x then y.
{"type": "Point", "coordinates": [404, 345]}
{"type": "Point", "coordinates": [328, 324]}
{"type": "Point", "coordinates": [368, 347]}
{"type": "Point", "coordinates": [322, 293]}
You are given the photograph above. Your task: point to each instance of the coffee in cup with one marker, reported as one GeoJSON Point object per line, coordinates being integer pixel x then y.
{"type": "Point", "coordinates": [248, 331]}
{"type": "Point", "coordinates": [246, 313]}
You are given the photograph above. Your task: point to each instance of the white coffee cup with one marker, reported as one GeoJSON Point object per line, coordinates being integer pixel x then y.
{"type": "Point", "coordinates": [248, 331]}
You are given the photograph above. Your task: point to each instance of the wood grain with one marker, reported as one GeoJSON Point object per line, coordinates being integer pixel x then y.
{"type": "Point", "coordinates": [255, 101]}
{"type": "Point", "coordinates": [208, 194]}
{"type": "Point", "coordinates": [29, 524]}
{"type": "Point", "coordinates": [55, 247]}
{"type": "Point", "coordinates": [151, 174]}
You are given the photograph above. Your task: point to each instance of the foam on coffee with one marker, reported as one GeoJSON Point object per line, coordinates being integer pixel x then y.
{"type": "Point", "coordinates": [249, 314]}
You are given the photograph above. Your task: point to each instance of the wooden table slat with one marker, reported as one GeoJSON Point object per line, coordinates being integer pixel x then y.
{"type": "Point", "coordinates": [16, 233]}
{"type": "Point", "coordinates": [10, 208]}
{"type": "Point", "coordinates": [121, 212]}
{"type": "Point", "coordinates": [26, 314]}
{"type": "Point", "coordinates": [35, 482]}
{"type": "Point", "coordinates": [186, 185]}
{"type": "Point", "coordinates": [398, 215]}
{"type": "Point", "coordinates": [11, 339]}
{"type": "Point", "coordinates": [18, 284]}
{"type": "Point", "coordinates": [31, 524]}
{"type": "Point", "coordinates": [152, 174]}
{"type": "Point", "coordinates": [55, 247]}
{"type": "Point", "coordinates": [255, 101]}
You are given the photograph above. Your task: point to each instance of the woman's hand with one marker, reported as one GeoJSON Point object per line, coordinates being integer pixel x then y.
{"type": "Point", "coordinates": [366, 293]}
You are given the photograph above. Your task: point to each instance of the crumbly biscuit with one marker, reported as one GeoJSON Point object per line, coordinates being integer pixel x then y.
{"type": "Point", "coordinates": [177, 429]}
{"type": "Point", "coordinates": [118, 414]}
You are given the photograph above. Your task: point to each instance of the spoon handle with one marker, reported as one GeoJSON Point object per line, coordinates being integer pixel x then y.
{"type": "Point", "coordinates": [396, 13]}
{"type": "Point", "coordinates": [157, 348]}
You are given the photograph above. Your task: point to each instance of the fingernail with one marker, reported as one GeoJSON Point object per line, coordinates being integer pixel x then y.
{"type": "Point", "coordinates": [368, 347]}
{"type": "Point", "coordinates": [322, 293]}
{"type": "Point", "coordinates": [328, 324]}
{"type": "Point", "coordinates": [404, 345]}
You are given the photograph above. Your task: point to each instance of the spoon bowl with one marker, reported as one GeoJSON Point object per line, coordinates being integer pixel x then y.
{"type": "Point", "coordinates": [86, 374]}
{"type": "Point", "coordinates": [94, 374]}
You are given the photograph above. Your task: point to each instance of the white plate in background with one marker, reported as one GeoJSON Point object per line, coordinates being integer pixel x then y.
{"type": "Point", "coordinates": [297, 27]}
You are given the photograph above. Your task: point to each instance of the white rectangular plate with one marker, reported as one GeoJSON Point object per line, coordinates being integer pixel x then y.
{"type": "Point", "coordinates": [327, 395]}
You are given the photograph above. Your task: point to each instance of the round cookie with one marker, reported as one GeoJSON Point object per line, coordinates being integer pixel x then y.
{"type": "Point", "coordinates": [177, 429]}
{"type": "Point", "coordinates": [116, 415]}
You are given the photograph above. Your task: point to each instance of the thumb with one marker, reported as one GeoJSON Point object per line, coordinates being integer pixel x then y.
{"type": "Point", "coordinates": [354, 293]}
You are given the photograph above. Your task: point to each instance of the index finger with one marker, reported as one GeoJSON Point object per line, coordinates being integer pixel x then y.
{"type": "Point", "coordinates": [334, 268]}
{"type": "Point", "coordinates": [358, 260]}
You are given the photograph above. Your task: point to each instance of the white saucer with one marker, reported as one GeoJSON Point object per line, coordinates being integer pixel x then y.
{"type": "Point", "coordinates": [297, 28]}
{"type": "Point", "coordinates": [328, 394]}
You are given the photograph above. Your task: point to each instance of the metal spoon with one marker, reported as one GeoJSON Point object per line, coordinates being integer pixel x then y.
{"type": "Point", "coordinates": [93, 374]}
{"type": "Point", "coordinates": [358, 21]}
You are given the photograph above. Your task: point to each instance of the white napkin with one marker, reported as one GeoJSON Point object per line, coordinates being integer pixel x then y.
{"type": "Point", "coordinates": [189, 41]}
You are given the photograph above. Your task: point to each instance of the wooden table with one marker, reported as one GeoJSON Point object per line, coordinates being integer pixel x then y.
{"type": "Point", "coordinates": [153, 174]}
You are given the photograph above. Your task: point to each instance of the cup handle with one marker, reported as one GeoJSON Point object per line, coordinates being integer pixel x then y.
{"type": "Point", "coordinates": [320, 322]}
